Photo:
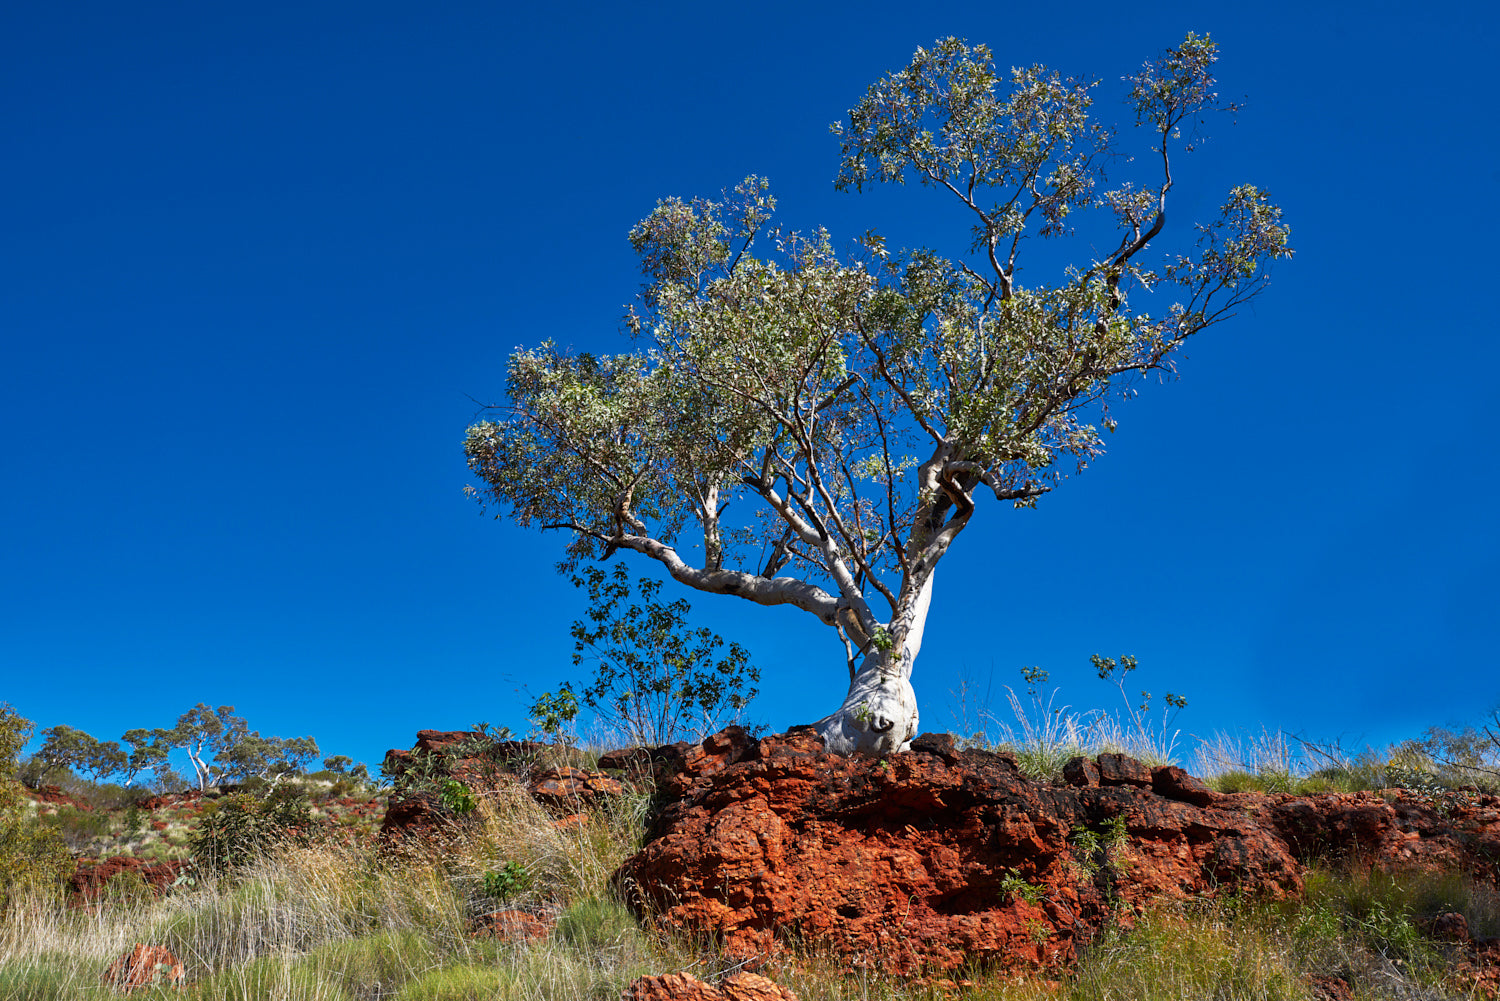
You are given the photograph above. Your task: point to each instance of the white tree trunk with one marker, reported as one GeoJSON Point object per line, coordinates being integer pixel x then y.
{"type": "Point", "coordinates": [879, 715]}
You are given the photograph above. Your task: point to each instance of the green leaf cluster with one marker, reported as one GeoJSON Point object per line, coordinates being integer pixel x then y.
{"type": "Point", "coordinates": [240, 829]}
{"type": "Point", "coordinates": [823, 417]}
{"type": "Point", "coordinates": [456, 797]}
{"type": "Point", "coordinates": [32, 855]}
{"type": "Point", "coordinates": [507, 881]}
{"type": "Point", "coordinates": [656, 679]}
{"type": "Point", "coordinates": [1013, 887]}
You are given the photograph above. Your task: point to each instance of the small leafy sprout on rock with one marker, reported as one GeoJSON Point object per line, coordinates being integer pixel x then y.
{"type": "Point", "coordinates": [553, 710]}
{"type": "Point", "coordinates": [457, 798]}
{"type": "Point", "coordinates": [507, 881]}
{"type": "Point", "coordinates": [1105, 846]}
{"type": "Point", "coordinates": [1013, 887]}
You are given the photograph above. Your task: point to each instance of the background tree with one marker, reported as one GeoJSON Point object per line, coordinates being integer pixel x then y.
{"type": "Point", "coordinates": [655, 679]}
{"type": "Point", "coordinates": [850, 409]}
{"type": "Point", "coordinates": [30, 854]}
{"type": "Point", "coordinates": [339, 764]}
{"type": "Point", "coordinates": [146, 753]}
{"type": "Point", "coordinates": [222, 746]}
{"type": "Point", "coordinates": [202, 733]}
{"type": "Point", "coordinates": [251, 755]}
{"type": "Point", "coordinates": [79, 752]}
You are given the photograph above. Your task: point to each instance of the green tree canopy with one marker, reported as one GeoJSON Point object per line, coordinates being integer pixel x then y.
{"type": "Point", "coordinates": [823, 424]}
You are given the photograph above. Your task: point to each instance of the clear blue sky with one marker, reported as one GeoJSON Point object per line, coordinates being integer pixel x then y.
{"type": "Point", "coordinates": [255, 260]}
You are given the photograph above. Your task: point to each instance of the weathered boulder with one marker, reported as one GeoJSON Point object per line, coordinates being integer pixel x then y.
{"type": "Point", "coordinates": [1122, 770]}
{"type": "Point", "coordinates": [1174, 783]}
{"type": "Point", "coordinates": [482, 765]}
{"type": "Point", "coordinates": [519, 927]}
{"type": "Point", "coordinates": [144, 967]}
{"type": "Point", "coordinates": [686, 987]}
{"type": "Point", "coordinates": [91, 878]}
{"type": "Point", "coordinates": [1081, 771]}
{"type": "Point", "coordinates": [567, 790]}
{"type": "Point", "coordinates": [927, 860]}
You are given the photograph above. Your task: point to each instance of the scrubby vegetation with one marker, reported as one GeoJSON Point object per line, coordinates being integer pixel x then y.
{"type": "Point", "coordinates": [282, 901]}
{"type": "Point", "coordinates": [327, 922]}
{"type": "Point", "coordinates": [32, 856]}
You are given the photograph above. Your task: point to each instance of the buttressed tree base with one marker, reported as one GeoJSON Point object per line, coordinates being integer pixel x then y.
{"type": "Point", "coordinates": [848, 410]}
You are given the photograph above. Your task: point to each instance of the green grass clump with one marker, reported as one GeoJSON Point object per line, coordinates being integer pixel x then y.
{"type": "Point", "coordinates": [373, 965]}
{"type": "Point", "coordinates": [1173, 956]}
{"type": "Point", "coordinates": [601, 926]}
{"type": "Point", "coordinates": [47, 977]}
{"type": "Point", "coordinates": [463, 982]}
{"type": "Point", "coordinates": [268, 978]}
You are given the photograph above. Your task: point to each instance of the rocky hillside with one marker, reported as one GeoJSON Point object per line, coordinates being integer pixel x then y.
{"type": "Point", "coordinates": [932, 860]}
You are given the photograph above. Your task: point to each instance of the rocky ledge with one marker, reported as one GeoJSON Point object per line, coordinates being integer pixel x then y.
{"type": "Point", "coordinates": [930, 860]}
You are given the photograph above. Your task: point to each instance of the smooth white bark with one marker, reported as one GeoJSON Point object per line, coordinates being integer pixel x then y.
{"type": "Point", "coordinates": [879, 715]}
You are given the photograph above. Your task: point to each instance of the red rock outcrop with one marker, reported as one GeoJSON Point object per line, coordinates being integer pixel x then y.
{"type": "Point", "coordinates": [191, 796]}
{"type": "Point", "coordinates": [927, 860]}
{"type": "Point", "coordinates": [143, 967]}
{"type": "Point", "coordinates": [930, 860]}
{"type": "Point", "coordinates": [515, 926]}
{"type": "Point", "coordinates": [483, 765]}
{"type": "Point", "coordinates": [565, 790]}
{"type": "Point", "coordinates": [54, 796]}
{"type": "Point", "coordinates": [1329, 988]}
{"type": "Point", "coordinates": [91, 879]}
{"type": "Point", "coordinates": [686, 987]}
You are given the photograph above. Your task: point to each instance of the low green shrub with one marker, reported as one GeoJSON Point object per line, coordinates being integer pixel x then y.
{"type": "Point", "coordinates": [507, 881]}
{"type": "Point", "coordinates": [77, 828]}
{"type": "Point", "coordinates": [33, 857]}
{"type": "Point", "coordinates": [456, 797]}
{"type": "Point", "coordinates": [239, 829]}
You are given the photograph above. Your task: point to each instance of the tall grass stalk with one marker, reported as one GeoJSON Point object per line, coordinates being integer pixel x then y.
{"type": "Point", "coordinates": [1043, 735]}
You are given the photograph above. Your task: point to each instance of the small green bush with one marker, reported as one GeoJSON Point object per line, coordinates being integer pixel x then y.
{"type": "Point", "coordinates": [1100, 847]}
{"type": "Point", "coordinates": [456, 797]}
{"type": "Point", "coordinates": [240, 829]}
{"type": "Point", "coordinates": [33, 857]}
{"type": "Point", "coordinates": [507, 881]}
{"type": "Point", "coordinates": [77, 828]}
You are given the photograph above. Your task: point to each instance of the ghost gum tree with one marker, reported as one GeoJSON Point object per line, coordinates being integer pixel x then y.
{"type": "Point", "coordinates": [823, 426]}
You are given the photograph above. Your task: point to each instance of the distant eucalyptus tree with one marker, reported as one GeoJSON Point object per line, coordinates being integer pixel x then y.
{"type": "Point", "coordinates": [848, 409]}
